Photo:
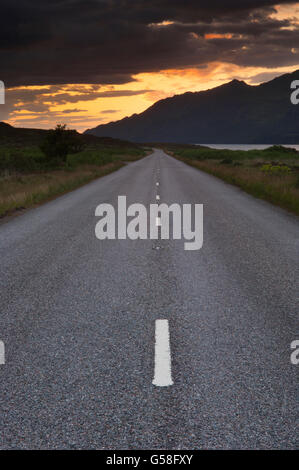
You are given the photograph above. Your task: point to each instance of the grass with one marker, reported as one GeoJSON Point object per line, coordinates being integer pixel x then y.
{"type": "Point", "coordinates": [28, 159]}
{"type": "Point", "coordinates": [271, 174]}
{"type": "Point", "coordinates": [27, 180]}
{"type": "Point", "coordinates": [275, 153]}
{"type": "Point", "coordinates": [22, 192]}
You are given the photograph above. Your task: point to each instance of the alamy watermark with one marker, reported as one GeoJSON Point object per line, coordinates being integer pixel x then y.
{"type": "Point", "coordinates": [295, 353]}
{"type": "Point", "coordinates": [2, 92]}
{"type": "Point", "coordinates": [295, 93]}
{"type": "Point", "coordinates": [187, 222]}
{"type": "Point", "coordinates": [2, 353]}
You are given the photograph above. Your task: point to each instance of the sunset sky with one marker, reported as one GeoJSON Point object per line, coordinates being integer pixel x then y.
{"type": "Point", "coordinates": [90, 62]}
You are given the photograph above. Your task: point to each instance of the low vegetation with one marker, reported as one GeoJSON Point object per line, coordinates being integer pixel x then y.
{"type": "Point", "coordinates": [37, 166]}
{"type": "Point", "coordinates": [271, 174]}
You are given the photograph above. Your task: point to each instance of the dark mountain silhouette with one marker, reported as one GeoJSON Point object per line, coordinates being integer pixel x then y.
{"type": "Point", "coordinates": [232, 113]}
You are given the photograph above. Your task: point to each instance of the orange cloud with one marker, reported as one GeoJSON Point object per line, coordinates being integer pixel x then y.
{"type": "Point", "coordinates": [218, 36]}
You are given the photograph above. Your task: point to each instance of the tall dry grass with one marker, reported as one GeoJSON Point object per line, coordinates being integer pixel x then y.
{"type": "Point", "coordinates": [26, 190]}
{"type": "Point", "coordinates": [281, 190]}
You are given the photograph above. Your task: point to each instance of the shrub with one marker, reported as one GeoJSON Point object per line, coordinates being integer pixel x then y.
{"type": "Point", "coordinates": [276, 169]}
{"type": "Point", "coordinates": [19, 160]}
{"type": "Point", "coordinates": [59, 142]}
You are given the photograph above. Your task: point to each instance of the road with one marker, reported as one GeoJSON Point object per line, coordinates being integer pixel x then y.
{"type": "Point", "coordinates": [78, 316]}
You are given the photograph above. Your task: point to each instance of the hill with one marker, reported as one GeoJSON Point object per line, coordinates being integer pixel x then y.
{"type": "Point", "coordinates": [25, 136]}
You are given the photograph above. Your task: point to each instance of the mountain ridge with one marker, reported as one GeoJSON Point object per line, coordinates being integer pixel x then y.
{"type": "Point", "coordinates": [234, 112]}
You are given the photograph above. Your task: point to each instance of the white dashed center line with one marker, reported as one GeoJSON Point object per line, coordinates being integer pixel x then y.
{"type": "Point", "coordinates": [158, 197]}
{"type": "Point", "coordinates": [157, 184]}
{"type": "Point", "coordinates": [162, 376]}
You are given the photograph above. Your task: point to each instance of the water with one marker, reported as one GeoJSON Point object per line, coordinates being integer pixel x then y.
{"type": "Point", "coordinates": [245, 147]}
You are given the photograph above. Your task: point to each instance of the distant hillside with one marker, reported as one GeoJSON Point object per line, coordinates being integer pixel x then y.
{"type": "Point", "coordinates": [24, 136]}
{"type": "Point", "coordinates": [232, 113]}
{"type": "Point", "coordinates": [14, 135]}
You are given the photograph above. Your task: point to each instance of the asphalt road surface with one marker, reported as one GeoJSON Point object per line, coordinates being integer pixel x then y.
{"type": "Point", "coordinates": [78, 318]}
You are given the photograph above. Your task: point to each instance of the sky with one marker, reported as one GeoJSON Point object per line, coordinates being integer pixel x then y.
{"type": "Point", "coordinates": [88, 62]}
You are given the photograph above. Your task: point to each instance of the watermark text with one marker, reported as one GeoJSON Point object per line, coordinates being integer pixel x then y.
{"type": "Point", "coordinates": [2, 353]}
{"type": "Point", "coordinates": [174, 221]}
{"type": "Point", "coordinates": [2, 92]}
{"type": "Point", "coordinates": [295, 353]}
{"type": "Point", "coordinates": [295, 93]}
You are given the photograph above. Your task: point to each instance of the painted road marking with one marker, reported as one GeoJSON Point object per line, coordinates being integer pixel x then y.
{"type": "Point", "coordinates": [157, 184]}
{"type": "Point", "coordinates": [162, 377]}
{"type": "Point", "coordinates": [158, 222]}
{"type": "Point", "coordinates": [158, 197]}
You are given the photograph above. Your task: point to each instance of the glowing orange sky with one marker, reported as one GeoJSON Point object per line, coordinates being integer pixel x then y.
{"type": "Point", "coordinates": [92, 110]}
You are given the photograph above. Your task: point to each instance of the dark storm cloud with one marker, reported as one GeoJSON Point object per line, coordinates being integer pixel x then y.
{"type": "Point", "coordinates": [73, 110]}
{"type": "Point", "coordinates": [107, 41]}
